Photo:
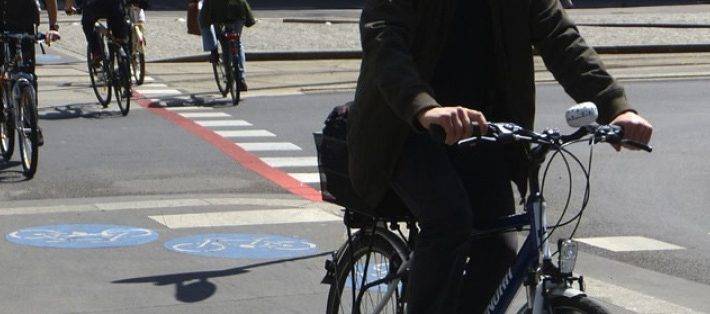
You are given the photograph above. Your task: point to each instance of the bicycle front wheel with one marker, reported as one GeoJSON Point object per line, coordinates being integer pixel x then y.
{"type": "Point", "coordinates": [122, 80]}
{"type": "Point", "coordinates": [7, 128]}
{"type": "Point", "coordinates": [576, 305]}
{"type": "Point", "coordinates": [368, 258]}
{"type": "Point", "coordinates": [138, 67]}
{"type": "Point", "coordinates": [28, 131]}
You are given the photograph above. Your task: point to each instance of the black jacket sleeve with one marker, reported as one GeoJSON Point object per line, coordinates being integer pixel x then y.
{"type": "Point", "coordinates": [574, 64]}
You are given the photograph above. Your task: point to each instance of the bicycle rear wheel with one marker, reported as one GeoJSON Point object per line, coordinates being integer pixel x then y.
{"type": "Point", "coordinates": [7, 128]}
{"type": "Point", "coordinates": [234, 91]}
{"type": "Point", "coordinates": [220, 75]}
{"type": "Point", "coordinates": [122, 79]}
{"type": "Point", "coordinates": [28, 131]}
{"type": "Point", "coordinates": [100, 77]}
{"type": "Point", "coordinates": [368, 258]}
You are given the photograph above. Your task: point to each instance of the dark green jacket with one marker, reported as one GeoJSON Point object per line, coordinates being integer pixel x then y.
{"type": "Point", "coordinates": [225, 11]}
{"type": "Point", "coordinates": [401, 41]}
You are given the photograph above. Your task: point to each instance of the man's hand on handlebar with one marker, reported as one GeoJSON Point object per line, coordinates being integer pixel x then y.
{"type": "Point", "coordinates": [455, 121]}
{"type": "Point", "coordinates": [51, 37]}
{"type": "Point", "coordinates": [636, 129]}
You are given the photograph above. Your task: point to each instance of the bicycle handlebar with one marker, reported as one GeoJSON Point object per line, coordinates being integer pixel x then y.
{"type": "Point", "coordinates": [506, 133]}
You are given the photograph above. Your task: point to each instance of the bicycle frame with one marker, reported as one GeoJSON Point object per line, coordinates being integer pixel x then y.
{"type": "Point", "coordinates": [528, 261]}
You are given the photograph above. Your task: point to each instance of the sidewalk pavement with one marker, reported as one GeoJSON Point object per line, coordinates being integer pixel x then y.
{"type": "Point", "coordinates": [167, 38]}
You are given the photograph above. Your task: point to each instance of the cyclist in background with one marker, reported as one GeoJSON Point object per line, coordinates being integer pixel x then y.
{"type": "Point", "coordinates": [22, 16]}
{"type": "Point", "coordinates": [233, 13]}
{"type": "Point", "coordinates": [113, 11]}
{"type": "Point", "coordinates": [136, 11]}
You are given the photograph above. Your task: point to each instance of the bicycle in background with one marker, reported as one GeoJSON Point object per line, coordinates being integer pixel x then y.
{"type": "Point", "coordinates": [138, 43]}
{"type": "Point", "coordinates": [227, 68]}
{"type": "Point", "coordinates": [113, 73]}
{"type": "Point", "coordinates": [18, 102]}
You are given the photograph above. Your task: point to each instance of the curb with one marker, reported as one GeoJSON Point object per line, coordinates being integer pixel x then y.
{"type": "Point", "coordinates": [320, 21]}
{"type": "Point", "coordinates": [357, 54]}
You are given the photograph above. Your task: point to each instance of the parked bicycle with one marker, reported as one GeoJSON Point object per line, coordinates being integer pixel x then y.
{"type": "Point", "coordinates": [227, 70]}
{"type": "Point", "coordinates": [113, 75]}
{"type": "Point", "coordinates": [18, 102]}
{"type": "Point", "coordinates": [369, 273]}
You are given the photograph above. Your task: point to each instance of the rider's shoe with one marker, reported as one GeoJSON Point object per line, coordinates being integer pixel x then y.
{"type": "Point", "coordinates": [214, 56]}
{"type": "Point", "coordinates": [40, 137]}
{"type": "Point", "coordinates": [242, 85]}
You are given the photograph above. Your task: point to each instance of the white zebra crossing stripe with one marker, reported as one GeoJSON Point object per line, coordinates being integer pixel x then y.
{"type": "Point", "coordinates": [162, 92]}
{"type": "Point", "coordinates": [246, 133]}
{"type": "Point", "coordinates": [153, 85]}
{"type": "Point", "coordinates": [629, 244]}
{"type": "Point", "coordinates": [148, 79]}
{"type": "Point", "coordinates": [218, 123]}
{"type": "Point", "coordinates": [630, 299]}
{"type": "Point", "coordinates": [308, 177]}
{"type": "Point", "coordinates": [246, 218]}
{"type": "Point", "coordinates": [279, 162]}
{"type": "Point", "coordinates": [266, 147]}
{"type": "Point", "coordinates": [204, 114]}
{"type": "Point", "coordinates": [187, 108]}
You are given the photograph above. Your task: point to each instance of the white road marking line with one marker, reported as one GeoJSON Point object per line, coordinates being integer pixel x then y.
{"type": "Point", "coordinates": [629, 244]}
{"type": "Point", "coordinates": [153, 85]}
{"type": "Point", "coordinates": [204, 114]}
{"type": "Point", "coordinates": [148, 79]}
{"type": "Point", "coordinates": [187, 108]}
{"type": "Point", "coordinates": [278, 162]}
{"type": "Point", "coordinates": [630, 299]}
{"type": "Point", "coordinates": [159, 91]}
{"type": "Point", "coordinates": [152, 204]}
{"type": "Point", "coordinates": [217, 123]}
{"type": "Point", "coordinates": [165, 203]}
{"type": "Point", "coordinates": [307, 177]}
{"type": "Point", "coordinates": [245, 218]}
{"type": "Point", "coordinates": [269, 147]}
{"type": "Point", "coordinates": [246, 133]}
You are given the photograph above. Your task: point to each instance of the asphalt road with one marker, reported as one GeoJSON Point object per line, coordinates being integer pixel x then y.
{"type": "Point", "coordinates": [155, 169]}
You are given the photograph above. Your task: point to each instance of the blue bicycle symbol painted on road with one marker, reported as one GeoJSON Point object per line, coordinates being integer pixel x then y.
{"type": "Point", "coordinates": [82, 236]}
{"type": "Point", "coordinates": [236, 245]}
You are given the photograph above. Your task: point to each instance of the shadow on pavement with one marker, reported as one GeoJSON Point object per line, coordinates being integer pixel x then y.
{"type": "Point", "coordinates": [74, 111]}
{"type": "Point", "coordinates": [195, 286]}
{"type": "Point", "coordinates": [8, 175]}
{"type": "Point", "coordinates": [206, 99]}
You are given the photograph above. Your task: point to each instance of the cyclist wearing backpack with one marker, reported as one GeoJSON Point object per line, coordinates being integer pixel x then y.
{"type": "Point", "coordinates": [234, 13]}
{"type": "Point", "coordinates": [114, 11]}
{"type": "Point", "coordinates": [453, 62]}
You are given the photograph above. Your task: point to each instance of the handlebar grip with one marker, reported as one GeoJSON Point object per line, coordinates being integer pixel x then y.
{"type": "Point", "coordinates": [638, 145]}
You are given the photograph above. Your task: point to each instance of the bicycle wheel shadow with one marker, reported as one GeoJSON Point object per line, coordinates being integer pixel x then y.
{"type": "Point", "coordinates": [208, 100]}
{"type": "Point", "coordinates": [8, 175]}
{"type": "Point", "coordinates": [75, 111]}
{"type": "Point", "coordinates": [195, 286]}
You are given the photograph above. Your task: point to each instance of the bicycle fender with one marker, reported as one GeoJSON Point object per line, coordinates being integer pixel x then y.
{"type": "Point", "coordinates": [566, 292]}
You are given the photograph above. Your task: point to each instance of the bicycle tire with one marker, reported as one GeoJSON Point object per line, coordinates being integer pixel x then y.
{"type": "Point", "coordinates": [28, 134]}
{"type": "Point", "coordinates": [220, 76]}
{"type": "Point", "coordinates": [7, 129]}
{"type": "Point", "coordinates": [381, 243]}
{"type": "Point", "coordinates": [234, 91]}
{"type": "Point", "coordinates": [138, 66]}
{"type": "Point", "coordinates": [102, 87]}
{"type": "Point", "coordinates": [579, 304]}
{"type": "Point", "coordinates": [122, 80]}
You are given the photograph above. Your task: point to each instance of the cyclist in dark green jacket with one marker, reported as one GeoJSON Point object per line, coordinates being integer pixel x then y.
{"type": "Point", "coordinates": [234, 14]}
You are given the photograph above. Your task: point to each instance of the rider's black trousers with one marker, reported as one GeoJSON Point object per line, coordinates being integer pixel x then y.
{"type": "Point", "coordinates": [452, 191]}
{"type": "Point", "coordinates": [111, 10]}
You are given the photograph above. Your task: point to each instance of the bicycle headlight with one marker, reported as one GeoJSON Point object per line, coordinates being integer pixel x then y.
{"type": "Point", "coordinates": [568, 256]}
